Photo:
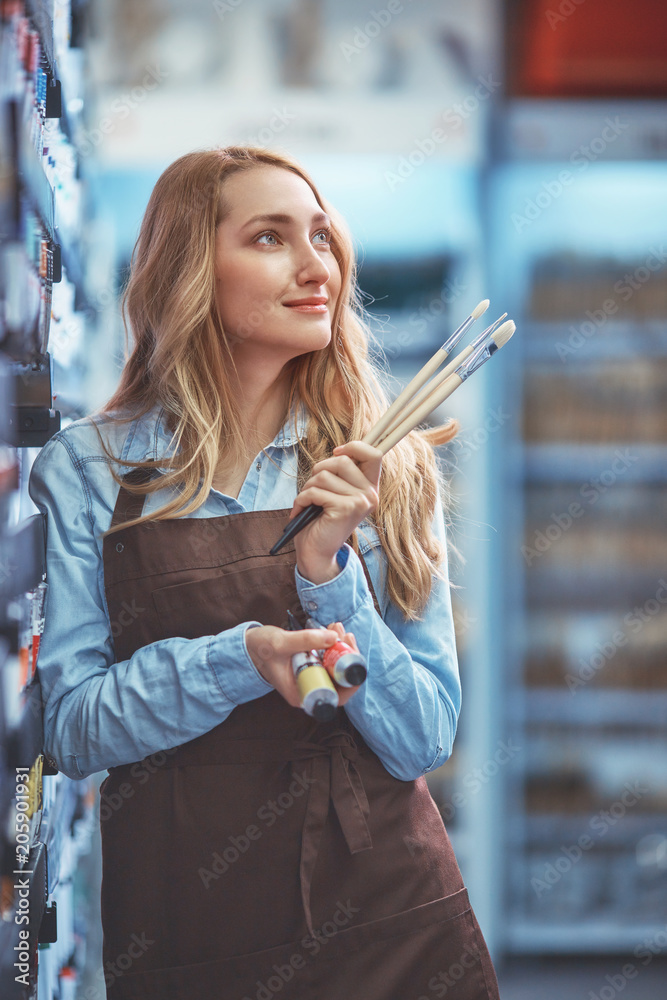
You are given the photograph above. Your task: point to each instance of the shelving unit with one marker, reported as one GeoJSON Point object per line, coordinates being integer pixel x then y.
{"type": "Point", "coordinates": [44, 816]}
{"type": "Point", "coordinates": [584, 582]}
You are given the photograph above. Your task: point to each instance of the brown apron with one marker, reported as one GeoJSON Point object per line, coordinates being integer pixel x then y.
{"type": "Point", "coordinates": [273, 856]}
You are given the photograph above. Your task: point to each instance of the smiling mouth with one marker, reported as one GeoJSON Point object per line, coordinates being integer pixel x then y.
{"type": "Point", "coordinates": [315, 308]}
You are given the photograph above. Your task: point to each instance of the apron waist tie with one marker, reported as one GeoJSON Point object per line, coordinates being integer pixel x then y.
{"type": "Point", "coordinates": [332, 774]}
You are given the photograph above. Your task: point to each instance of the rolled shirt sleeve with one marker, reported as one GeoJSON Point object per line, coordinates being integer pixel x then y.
{"type": "Point", "coordinates": [99, 713]}
{"type": "Point", "coordinates": [407, 710]}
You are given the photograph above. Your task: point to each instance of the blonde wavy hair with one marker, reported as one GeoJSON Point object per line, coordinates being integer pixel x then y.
{"type": "Point", "coordinates": [182, 354]}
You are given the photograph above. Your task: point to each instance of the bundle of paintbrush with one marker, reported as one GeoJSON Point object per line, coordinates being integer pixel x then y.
{"type": "Point", "coordinates": [419, 399]}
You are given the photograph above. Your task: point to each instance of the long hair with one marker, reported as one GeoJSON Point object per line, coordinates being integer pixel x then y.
{"type": "Point", "coordinates": [182, 356]}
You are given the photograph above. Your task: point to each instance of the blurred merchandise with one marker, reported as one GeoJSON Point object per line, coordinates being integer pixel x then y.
{"type": "Point", "coordinates": [45, 818]}
{"type": "Point", "coordinates": [587, 48]}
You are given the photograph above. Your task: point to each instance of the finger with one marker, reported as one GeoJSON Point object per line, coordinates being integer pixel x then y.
{"type": "Point", "coordinates": [311, 638]}
{"type": "Point", "coordinates": [345, 468]}
{"type": "Point", "coordinates": [367, 457]}
{"type": "Point", "coordinates": [326, 479]}
{"type": "Point", "coordinates": [353, 505]}
{"type": "Point", "coordinates": [359, 450]}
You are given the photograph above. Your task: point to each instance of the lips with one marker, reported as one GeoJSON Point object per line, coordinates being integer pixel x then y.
{"type": "Point", "coordinates": [314, 300]}
{"type": "Point", "coordinates": [315, 305]}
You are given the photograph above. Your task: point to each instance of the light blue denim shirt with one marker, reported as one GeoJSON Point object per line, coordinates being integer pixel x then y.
{"type": "Point", "coordinates": [99, 713]}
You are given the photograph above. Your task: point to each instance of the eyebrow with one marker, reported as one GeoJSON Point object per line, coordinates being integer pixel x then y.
{"type": "Point", "coordinates": [286, 219]}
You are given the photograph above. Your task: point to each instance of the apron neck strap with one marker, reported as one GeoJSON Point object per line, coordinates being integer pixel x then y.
{"type": "Point", "coordinates": [131, 505]}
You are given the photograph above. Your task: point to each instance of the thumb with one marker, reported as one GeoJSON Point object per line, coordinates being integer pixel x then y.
{"type": "Point", "coordinates": [313, 638]}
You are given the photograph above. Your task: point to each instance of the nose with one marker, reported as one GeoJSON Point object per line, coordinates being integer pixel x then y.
{"type": "Point", "coordinates": [311, 266]}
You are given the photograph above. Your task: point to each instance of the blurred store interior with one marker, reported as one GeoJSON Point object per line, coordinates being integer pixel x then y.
{"type": "Point", "coordinates": [514, 151]}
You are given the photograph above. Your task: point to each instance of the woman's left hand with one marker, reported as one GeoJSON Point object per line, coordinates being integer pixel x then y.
{"type": "Point", "coordinates": [346, 486]}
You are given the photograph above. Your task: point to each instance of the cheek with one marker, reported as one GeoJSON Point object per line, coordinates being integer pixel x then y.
{"type": "Point", "coordinates": [334, 281]}
{"type": "Point", "coordinates": [240, 288]}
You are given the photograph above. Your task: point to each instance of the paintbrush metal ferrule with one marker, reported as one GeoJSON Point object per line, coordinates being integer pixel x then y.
{"type": "Point", "coordinates": [458, 335]}
{"type": "Point", "coordinates": [483, 346]}
{"type": "Point", "coordinates": [487, 333]}
{"type": "Point", "coordinates": [474, 361]}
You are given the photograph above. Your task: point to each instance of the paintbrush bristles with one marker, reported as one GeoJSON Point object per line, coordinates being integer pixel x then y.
{"type": "Point", "coordinates": [503, 333]}
{"type": "Point", "coordinates": [409, 405]}
{"type": "Point", "coordinates": [375, 433]}
{"type": "Point", "coordinates": [439, 395]}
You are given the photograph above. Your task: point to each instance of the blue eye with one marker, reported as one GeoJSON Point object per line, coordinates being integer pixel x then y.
{"type": "Point", "coordinates": [327, 233]}
{"type": "Point", "coordinates": [262, 235]}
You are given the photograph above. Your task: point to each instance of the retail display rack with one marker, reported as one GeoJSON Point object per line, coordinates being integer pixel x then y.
{"type": "Point", "coordinates": [583, 573]}
{"type": "Point", "coordinates": [44, 816]}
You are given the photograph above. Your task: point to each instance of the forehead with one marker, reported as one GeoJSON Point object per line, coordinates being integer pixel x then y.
{"type": "Point", "coordinates": [266, 189]}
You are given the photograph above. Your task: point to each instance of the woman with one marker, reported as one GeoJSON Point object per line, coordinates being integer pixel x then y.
{"type": "Point", "coordinates": [249, 851]}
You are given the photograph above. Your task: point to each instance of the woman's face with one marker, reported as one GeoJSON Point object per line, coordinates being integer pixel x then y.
{"type": "Point", "coordinates": [266, 266]}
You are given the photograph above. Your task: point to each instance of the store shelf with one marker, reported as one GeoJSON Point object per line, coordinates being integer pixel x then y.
{"type": "Point", "coordinates": [586, 404]}
{"type": "Point", "coordinates": [35, 183]}
{"type": "Point", "coordinates": [548, 131]}
{"type": "Point", "coordinates": [39, 183]}
{"type": "Point", "coordinates": [41, 15]}
{"type": "Point", "coordinates": [569, 343]}
{"type": "Point", "coordinates": [594, 708]}
{"type": "Point", "coordinates": [580, 937]}
{"type": "Point", "coordinates": [592, 590]}
{"type": "Point", "coordinates": [548, 829]}
{"type": "Point", "coordinates": [576, 462]}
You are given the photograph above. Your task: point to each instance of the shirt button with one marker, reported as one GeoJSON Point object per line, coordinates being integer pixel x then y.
{"type": "Point", "coordinates": [119, 546]}
{"type": "Point", "coordinates": [258, 466]}
{"type": "Point", "coordinates": [312, 605]}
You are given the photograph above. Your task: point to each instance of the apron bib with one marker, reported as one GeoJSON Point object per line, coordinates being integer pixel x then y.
{"type": "Point", "coordinates": [273, 855]}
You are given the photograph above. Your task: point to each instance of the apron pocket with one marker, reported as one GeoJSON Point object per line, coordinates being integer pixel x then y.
{"type": "Point", "coordinates": [206, 607]}
{"type": "Point", "coordinates": [436, 949]}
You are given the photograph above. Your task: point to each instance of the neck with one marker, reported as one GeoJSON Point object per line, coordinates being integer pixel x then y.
{"type": "Point", "coordinates": [262, 395]}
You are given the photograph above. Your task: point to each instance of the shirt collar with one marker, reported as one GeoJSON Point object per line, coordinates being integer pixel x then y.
{"type": "Point", "coordinates": [149, 437]}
